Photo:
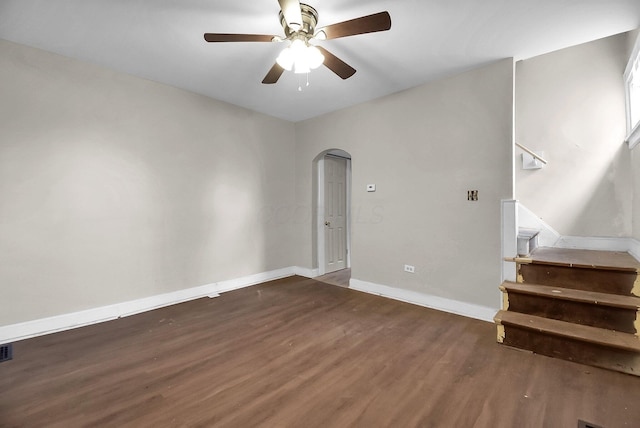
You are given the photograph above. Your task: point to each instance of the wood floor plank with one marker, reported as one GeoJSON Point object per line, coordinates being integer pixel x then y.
{"type": "Point", "coordinates": [297, 352]}
{"type": "Point", "coordinates": [340, 278]}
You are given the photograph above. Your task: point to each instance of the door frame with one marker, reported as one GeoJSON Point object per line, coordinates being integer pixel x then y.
{"type": "Point", "coordinates": [320, 208]}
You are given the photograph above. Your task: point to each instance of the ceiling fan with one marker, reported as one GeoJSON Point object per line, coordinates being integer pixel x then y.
{"type": "Point", "coordinates": [299, 22]}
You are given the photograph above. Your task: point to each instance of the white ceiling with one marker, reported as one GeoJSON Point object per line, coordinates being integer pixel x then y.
{"type": "Point", "coordinates": [162, 40]}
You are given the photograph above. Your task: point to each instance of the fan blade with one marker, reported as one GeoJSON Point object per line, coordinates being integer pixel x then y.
{"type": "Point", "coordinates": [221, 37]}
{"type": "Point", "coordinates": [273, 75]}
{"type": "Point", "coordinates": [365, 24]}
{"type": "Point", "coordinates": [337, 65]}
{"type": "Point", "coordinates": [292, 13]}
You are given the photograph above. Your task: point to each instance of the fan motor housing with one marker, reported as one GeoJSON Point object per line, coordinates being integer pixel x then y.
{"type": "Point", "coordinates": [309, 21]}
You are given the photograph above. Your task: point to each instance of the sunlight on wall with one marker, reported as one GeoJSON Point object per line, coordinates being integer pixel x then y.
{"type": "Point", "coordinates": [570, 104]}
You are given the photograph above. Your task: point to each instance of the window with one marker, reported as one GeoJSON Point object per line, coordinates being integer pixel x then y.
{"type": "Point", "coordinates": [632, 86]}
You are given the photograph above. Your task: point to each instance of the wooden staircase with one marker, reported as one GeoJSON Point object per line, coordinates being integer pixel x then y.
{"type": "Point", "coordinates": [577, 305]}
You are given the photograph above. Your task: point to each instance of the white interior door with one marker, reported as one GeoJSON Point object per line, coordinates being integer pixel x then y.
{"type": "Point", "coordinates": [335, 213]}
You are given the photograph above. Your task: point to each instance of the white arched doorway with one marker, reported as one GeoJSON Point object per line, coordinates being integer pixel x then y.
{"type": "Point", "coordinates": [333, 211]}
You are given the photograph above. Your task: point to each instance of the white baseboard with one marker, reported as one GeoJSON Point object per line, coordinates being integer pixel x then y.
{"type": "Point", "coordinates": [594, 243]}
{"type": "Point", "coordinates": [247, 281]}
{"type": "Point", "coordinates": [306, 272]}
{"type": "Point", "coordinates": [434, 302]}
{"type": "Point", "coordinates": [634, 248]}
{"type": "Point", "coordinates": [39, 327]}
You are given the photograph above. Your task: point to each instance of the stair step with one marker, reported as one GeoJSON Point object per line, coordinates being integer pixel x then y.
{"type": "Point", "coordinates": [598, 271]}
{"type": "Point", "coordinates": [589, 259]}
{"type": "Point", "coordinates": [583, 344]}
{"type": "Point", "coordinates": [593, 297]}
{"type": "Point", "coordinates": [569, 330]}
{"type": "Point", "coordinates": [578, 305]}
{"type": "Point", "coordinates": [603, 281]}
{"type": "Point", "coordinates": [602, 310]}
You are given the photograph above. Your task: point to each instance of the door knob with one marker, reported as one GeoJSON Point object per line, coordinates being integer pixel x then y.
{"type": "Point", "coordinates": [327, 223]}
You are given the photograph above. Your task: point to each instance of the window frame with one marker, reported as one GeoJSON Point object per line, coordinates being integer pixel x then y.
{"type": "Point", "coordinates": [632, 70]}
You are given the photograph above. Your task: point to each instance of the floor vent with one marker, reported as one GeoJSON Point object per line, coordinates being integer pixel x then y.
{"type": "Point", "coordinates": [583, 424]}
{"type": "Point", "coordinates": [6, 352]}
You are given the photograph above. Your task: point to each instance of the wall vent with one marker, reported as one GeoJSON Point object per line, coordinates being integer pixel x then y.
{"type": "Point", "coordinates": [6, 352]}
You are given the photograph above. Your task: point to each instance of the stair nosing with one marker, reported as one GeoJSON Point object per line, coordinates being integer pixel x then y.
{"type": "Point", "coordinates": [602, 299]}
{"type": "Point", "coordinates": [625, 341]}
{"type": "Point", "coordinates": [628, 267]}
{"type": "Point", "coordinates": [531, 260]}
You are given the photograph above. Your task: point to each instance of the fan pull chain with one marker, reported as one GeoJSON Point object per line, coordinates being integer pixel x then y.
{"type": "Point", "coordinates": [300, 84]}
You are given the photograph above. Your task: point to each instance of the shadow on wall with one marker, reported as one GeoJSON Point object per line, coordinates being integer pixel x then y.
{"type": "Point", "coordinates": [609, 197]}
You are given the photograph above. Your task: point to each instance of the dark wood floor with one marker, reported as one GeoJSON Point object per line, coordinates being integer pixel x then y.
{"type": "Point", "coordinates": [300, 353]}
{"type": "Point", "coordinates": [340, 278]}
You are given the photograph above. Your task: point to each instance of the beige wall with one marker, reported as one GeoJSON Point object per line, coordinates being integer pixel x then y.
{"type": "Point", "coordinates": [635, 155]}
{"type": "Point", "coordinates": [635, 167]}
{"type": "Point", "coordinates": [116, 188]}
{"type": "Point", "coordinates": [423, 148]}
{"type": "Point", "coordinates": [570, 104]}
{"type": "Point", "coordinates": [632, 36]}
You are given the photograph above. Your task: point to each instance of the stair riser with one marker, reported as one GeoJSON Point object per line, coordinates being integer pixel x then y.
{"type": "Point", "coordinates": [607, 317]}
{"type": "Point", "coordinates": [604, 281]}
{"type": "Point", "coordinates": [572, 350]}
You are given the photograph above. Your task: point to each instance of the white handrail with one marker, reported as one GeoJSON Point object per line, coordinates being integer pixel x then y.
{"type": "Point", "coordinates": [532, 153]}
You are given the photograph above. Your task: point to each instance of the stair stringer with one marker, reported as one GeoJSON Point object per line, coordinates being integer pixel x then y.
{"type": "Point", "coordinates": [527, 219]}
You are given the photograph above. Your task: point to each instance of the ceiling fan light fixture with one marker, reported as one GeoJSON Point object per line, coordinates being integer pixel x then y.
{"type": "Point", "coordinates": [314, 57]}
{"type": "Point", "coordinates": [286, 59]}
{"type": "Point", "coordinates": [299, 22]}
{"type": "Point", "coordinates": [300, 57]}
{"type": "Point", "coordinates": [301, 67]}
{"type": "Point", "coordinates": [298, 47]}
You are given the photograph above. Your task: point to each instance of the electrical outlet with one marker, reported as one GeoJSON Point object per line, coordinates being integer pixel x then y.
{"type": "Point", "coordinates": [472, 195]}
{"type": "Point", "coordinates": [409, 268]}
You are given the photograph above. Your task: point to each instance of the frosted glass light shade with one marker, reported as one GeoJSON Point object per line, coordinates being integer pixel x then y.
{"type": "Point", "coordinates": [314, 57]}
{"type": "Point", "coordinates": [286, 59]}
{"type": "Point", "coordinates": [300, 57]}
